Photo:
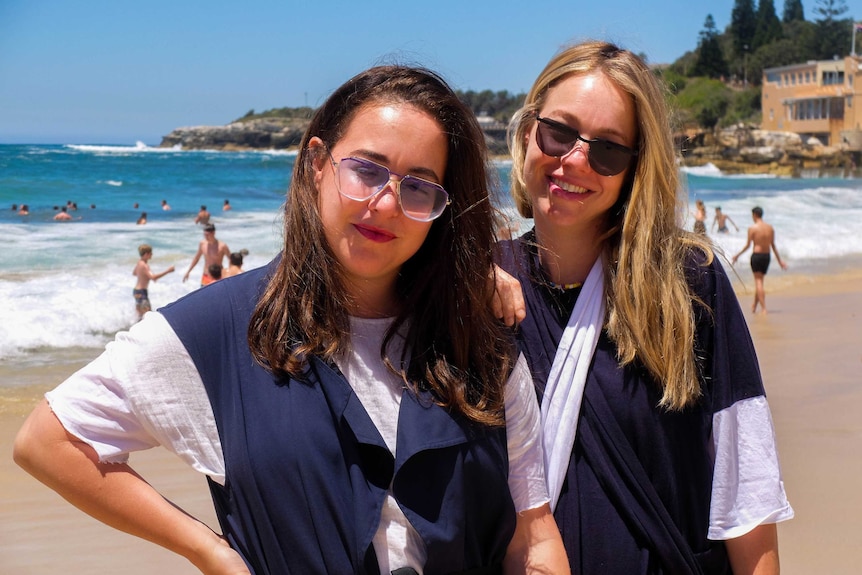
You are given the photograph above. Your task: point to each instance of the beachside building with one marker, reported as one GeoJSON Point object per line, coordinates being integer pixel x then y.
{"type": "Point", "coordinates": [816, 99]}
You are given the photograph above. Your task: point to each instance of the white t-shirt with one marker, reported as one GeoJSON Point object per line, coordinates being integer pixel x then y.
{"type": "Point", "coordinates": [145, 391]}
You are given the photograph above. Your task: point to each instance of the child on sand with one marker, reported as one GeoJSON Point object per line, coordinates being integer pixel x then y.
{"type": "Point", "coordinates": [144, 274]}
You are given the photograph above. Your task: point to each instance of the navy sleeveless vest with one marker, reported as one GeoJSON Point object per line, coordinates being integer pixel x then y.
{"type": "Point", "coordinates": [307, 471]}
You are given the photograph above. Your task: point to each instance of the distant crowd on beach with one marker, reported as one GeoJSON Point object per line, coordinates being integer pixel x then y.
{"type": "Point", "coordinates": [64, 213]}
{"type": "Point", "coordinates": [219, 261]}
{"type": "Point", "coordinates": [213, 251]}
{"type": "Point", "coordinates": [720, 220]}
{"type": "Point", "coordinates": [203, 216]}
{"type": "Point", "coordinates": [760, 235]}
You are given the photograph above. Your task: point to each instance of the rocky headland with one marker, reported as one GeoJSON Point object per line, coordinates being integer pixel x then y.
{"type": "Point", "coordinates": [259, 134]}
{"type": "Point", "coordinates": [734, 150]}
{"type": "Point", "coordinates": [278, 134]}
{"type": "Point", "coordinates": [750, 150]}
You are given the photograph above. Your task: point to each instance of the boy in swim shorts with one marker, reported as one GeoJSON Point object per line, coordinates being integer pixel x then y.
{"type": "Point", "coordinates": [144, 274]}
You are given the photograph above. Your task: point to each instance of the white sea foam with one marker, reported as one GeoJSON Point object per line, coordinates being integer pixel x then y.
{"type": "Point", "coordinates": [139, 147]}
{"type": "Point", "coordinates": [810, 224]}
{"type": "Point", "coordinates": [709, 170]}
{"type": "Point", "coordinates": [70, 285]}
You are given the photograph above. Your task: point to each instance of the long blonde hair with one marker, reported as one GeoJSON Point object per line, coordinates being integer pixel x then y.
{"type": "Point", "coordinates": [649, 302]}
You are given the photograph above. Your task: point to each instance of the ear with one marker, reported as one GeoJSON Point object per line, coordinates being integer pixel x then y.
{"type": "Point", "coordinates": [318, 155]}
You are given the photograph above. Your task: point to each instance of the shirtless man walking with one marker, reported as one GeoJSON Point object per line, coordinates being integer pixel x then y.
{"type": "Point", "coordinates": [762, 235]}
{"type": "Point", "coordinates": [144, 274]}
{"type": "Point", "coordinates": [213, 250]}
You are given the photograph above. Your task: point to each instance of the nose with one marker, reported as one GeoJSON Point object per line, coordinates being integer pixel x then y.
{"type": "Point", "coordinates": [387, 197]}
{"type": "Point", "coordinates": [578, 156]}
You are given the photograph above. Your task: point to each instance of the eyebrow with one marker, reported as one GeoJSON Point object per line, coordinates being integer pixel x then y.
{"type": "Point", "coordinates": [418, 171]}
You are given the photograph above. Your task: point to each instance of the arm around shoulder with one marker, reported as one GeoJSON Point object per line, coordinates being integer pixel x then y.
{"type": "Point", "coordinates": [536, 547]}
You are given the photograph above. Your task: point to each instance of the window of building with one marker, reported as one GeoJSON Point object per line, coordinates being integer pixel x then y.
{"type": "Point", "coordinates": [833, 78]}
{"type": "Point", "coordinates": [807, 77]}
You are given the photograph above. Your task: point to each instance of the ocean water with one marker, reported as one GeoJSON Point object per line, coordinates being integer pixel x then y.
{"type": "Point", "coordinates": [66, 286]}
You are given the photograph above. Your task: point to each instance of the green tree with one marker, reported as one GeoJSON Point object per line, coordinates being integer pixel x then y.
{"type": "Point", "coordinates": [833, 33]}
{"type": "Point", "coordinates": [672, 78]}
{"type": "Point", "coordinates": [500, 105]}
{"type": "Point", "coordinates": [710, 60]}
{"type": "Point", "coordinates": [793, 11]}
{"type": "Point", "coordinates": [704, 101]}
{"type": "Point", "coordinates": [743, 24]}
{"type": "Point", "coordinates": [829, 9]}
{"type": "Point", "coordinates": [744, 106]}
{"type": "Point", "coordinates": [768, 27]}
{"type": "Point", "coordinates": [781, 53]}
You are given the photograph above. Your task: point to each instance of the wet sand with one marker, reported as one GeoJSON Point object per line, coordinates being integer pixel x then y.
{"type": "Point", "coordinates": [810, 350]}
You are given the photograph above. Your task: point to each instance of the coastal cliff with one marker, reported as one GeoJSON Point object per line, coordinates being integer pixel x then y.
{"type": "Point", "coordinates": [278, 134]}
{"type": "Point", "coordinates": [263, 134]}
{"type": "Point", "coordinates": [749, 150]}
{"type": "Point", "coordinates": [734, 150]}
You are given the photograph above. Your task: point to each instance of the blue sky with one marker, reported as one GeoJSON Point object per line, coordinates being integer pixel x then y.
{"type": "Point", "coordinates": [108, 71]}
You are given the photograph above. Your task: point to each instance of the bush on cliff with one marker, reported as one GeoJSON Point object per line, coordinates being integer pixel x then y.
{"type": "Point", "coordinates": [703, 101]}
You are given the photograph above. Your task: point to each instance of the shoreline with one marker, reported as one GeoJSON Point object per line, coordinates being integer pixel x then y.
{"type": "Point", "coordinates": [810, 356]}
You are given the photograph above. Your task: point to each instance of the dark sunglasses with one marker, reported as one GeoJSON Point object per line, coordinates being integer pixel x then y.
{"type": "Point", "coordinates": [557, 139]}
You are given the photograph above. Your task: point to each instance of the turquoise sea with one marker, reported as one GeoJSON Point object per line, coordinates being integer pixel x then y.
{"type": "Point", "coordinates": [66, 286]}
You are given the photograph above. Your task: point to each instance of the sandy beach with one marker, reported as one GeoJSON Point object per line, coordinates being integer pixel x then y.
{"type": "Point", "coordinates": [810, 350]}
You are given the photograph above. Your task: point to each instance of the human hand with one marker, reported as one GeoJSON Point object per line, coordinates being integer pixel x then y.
{"type": "Point", "coordinates": [171, 269]}
{"type": "Point", "coordinates": [186, 277]}
{"type": "Point", "coordinates": [507, 301]}
{"type": "Point", "coordinates": [783, 265]}
{"type": "Point", "coordinates": [732, 261]}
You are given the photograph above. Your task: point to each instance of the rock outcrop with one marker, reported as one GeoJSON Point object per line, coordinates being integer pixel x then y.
{"type": "Point", "coordinates": [270, 133]}
{"type": "Point", "coordinates": [748, 150]}
{"type": "Point", "coordinates": [276, 133]}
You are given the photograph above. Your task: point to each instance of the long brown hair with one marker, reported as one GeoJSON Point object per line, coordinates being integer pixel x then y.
{"type": "Point", "coordinates": [458, 350]}
{"type": "Point", "coordinates": [649, 302]}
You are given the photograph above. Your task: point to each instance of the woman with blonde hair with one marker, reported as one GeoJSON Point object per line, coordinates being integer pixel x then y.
{"type": "Point", "coordinates": [645, 370]}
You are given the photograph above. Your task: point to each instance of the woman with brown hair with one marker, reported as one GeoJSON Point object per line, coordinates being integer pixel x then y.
{"type": "Point", "coordinates": [356, 406]}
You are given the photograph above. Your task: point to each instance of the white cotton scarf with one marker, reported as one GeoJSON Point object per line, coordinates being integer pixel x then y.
{"type": "Point", "coordinates": [561, 402]}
